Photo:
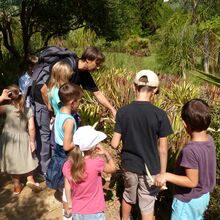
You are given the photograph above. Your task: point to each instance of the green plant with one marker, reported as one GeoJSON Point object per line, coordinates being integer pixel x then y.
{"type": "Point", "coordinates": [89, 110]}
{"type": "Point", "coordinates": [137, 45]}
{"type": "Point", "coordinates": [116, 85]}
{"type": "Point", "coordinates": [207, 77]}
{"type": "Point", "coordinates": [177, 45]}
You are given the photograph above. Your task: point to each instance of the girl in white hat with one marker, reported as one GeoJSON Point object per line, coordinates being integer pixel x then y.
{"type": "Point", "coordinates": [82, 172]}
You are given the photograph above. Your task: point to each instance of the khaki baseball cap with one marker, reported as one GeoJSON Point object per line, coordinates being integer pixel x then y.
{"type": "Point", "coordinates": [153, 80]}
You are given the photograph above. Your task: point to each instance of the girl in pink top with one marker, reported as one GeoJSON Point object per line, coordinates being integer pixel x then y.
{"type": "Point", "coordinates": [82, 172]}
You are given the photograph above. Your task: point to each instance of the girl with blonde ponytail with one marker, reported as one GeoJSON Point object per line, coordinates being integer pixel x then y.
{"type": "Point", "coordinates": [82, 172]}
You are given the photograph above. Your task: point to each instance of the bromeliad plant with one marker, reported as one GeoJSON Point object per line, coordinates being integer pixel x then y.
{"type": "Point", "coordinates": [174, 93]}
{"type": "Point", "coordinates": [116, 84]}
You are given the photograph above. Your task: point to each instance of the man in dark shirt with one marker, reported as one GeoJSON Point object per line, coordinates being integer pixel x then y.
{"type": "Point", "coordinates": [90, 61]}
{"type": "Point", "coordinates": [140, 125]}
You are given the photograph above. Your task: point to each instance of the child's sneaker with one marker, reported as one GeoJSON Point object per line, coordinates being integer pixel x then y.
{"type": "Point", "coordinates": [34, 186]}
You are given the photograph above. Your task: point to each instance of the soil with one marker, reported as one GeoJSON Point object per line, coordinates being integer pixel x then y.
{"type": "Point", "coordinates": [44, 205]}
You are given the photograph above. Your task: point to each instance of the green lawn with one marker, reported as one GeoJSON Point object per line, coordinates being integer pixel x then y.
{"type": "Point", "coordinates": [130, 62]}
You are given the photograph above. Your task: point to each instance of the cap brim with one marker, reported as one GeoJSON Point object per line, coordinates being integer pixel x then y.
{"type": "Point", "coordinates": [100, 137]}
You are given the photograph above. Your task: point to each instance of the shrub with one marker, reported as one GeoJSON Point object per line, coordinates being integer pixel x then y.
{"type": "Point", "coordinates": [138, 46]}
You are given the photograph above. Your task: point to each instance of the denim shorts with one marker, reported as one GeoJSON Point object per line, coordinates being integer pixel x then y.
{"type": "Point", "coordinates": [97, 216]}
{"type": "Point", "coordinates": [193, 210]}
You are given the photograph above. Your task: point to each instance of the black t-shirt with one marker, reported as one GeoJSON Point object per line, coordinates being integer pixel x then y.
{"type": "Point", "coordinates": [140, 125]}
{"type": "Point", "coordinates": [82, 78]}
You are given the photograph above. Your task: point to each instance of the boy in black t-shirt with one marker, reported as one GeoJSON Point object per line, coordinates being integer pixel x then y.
{"type": "Point", "coordinates": [140, 125]}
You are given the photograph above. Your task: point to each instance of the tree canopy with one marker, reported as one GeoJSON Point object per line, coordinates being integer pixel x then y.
{"type": "Point", "coordinates": [183, 30]}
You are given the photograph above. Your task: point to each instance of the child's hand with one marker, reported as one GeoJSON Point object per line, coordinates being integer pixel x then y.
{"type": "Point", "coordinates": [32, 146]}
{"type": "Point", "coordinates": [100, 149]}
{"type": "Point", "coordinates": [160, 180]}
{"type": "Point", "coordinates": [5, 95]}
{"type": "Point", "coordinates": [52, 123]}
{"type": "Point", "coordinates": [68, 212]}
{"type": "Point", "coordinates": [52, 120]}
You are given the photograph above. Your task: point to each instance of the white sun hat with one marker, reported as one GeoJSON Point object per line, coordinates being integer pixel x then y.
{"type": "Point", "coordinates": [153, 80]}
{"type": "Point", "coordinates": [86, 137]}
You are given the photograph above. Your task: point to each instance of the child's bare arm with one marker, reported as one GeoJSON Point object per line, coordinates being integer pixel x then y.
{"type": "Point", "coordinates": [31, 131]}
{"type": "Point", "coordinates": [110, 166]}
{"type": "Point", "coordinates": [44, 93]}
{"type": "Point", "coordinates": [163, 150]}
{"type": "Point", "coordinates": [68, 194]}
{"type": "Point", "coordinates": [190, 180]}
{"type": "Point", "coordinates": [68, 135]}
{"type": "Point", "coordinates": [115, 140]}
{"type": "Point", "coordinates": [2, 109]}
{"type": "Point", "coordinates": [5, 96]}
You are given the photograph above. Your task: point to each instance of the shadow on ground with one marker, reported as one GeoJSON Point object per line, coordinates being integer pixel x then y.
{"type": "Point", "coordinates": [28, 205]}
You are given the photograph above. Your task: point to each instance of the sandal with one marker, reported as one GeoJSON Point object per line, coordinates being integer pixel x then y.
{"type": "Point", "coordinates": [18, 189]}
{"type": "Point", "coordinates": [34, 186]}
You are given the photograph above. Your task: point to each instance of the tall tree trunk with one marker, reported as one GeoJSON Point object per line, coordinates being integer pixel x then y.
{"type": "Point", "coordinates": [1, 54]}
{"type": "Point", "coordinates": [206, 52]}
{"type": "Point", "coordinates": [25, 28]}
{"type": "Point", "coordinates": [214, 50]}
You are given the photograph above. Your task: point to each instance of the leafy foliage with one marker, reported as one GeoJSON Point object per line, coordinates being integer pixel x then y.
{"type": "Point", "coordinates": [177, 44]}
{"type": "Point", "coordinates": [41, 18]}
{"type": "Point", "coordinates": [154, 14]}
{"type": "Point", "coordinates": [207, 77]}
{"type": "Point", "coordinates": [174, 92]}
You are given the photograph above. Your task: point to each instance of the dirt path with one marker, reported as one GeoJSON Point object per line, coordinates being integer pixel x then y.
{"type": "Point", "coordinates": [44, 205]}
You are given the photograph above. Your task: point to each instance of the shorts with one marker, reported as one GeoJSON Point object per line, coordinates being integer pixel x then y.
{"type": "Point", "coordinates": [193, 210]}
{"type": "Point", "coordinates": [97, 216]}
{"type": "Point", "coordinates": [141, 187]}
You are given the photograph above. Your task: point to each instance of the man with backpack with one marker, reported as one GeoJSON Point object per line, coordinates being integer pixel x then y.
{"type": "Point", "coordinates": [90, 61]}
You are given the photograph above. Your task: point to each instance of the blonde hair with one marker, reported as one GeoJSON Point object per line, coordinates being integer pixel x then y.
{"type": "Point", "coordinates": [61, 73]}
{"type": "Point", "coordinates": [17, 98]}
{"type": "Point", "coordinates": [78, 168]}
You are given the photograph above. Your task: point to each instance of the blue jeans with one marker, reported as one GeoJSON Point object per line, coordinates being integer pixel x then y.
{"type": "Point", "coordinates": [42, 123]}
{"type": "Point", "coordinates": [192, 210]}
{"type": "Point", "coordinates": [97, 216]}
